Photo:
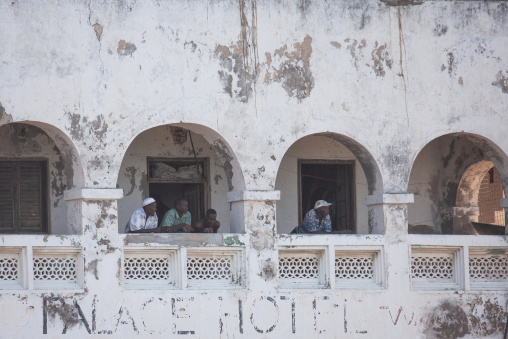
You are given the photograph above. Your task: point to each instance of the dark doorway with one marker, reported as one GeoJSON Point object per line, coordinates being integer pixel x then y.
{"type": "Point", "coordinates": [333, 182]}
{"type": "Point", "coordinates": [172, 179]}
{"type": "Point", "coordinates": [167, 194]}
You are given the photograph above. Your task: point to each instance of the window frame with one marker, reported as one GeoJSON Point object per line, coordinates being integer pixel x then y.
{"type": "Point", "coordinates": [45, 194]}
{"type": "Point", "coordinates": [301, 162]}
{"type": "Point", "coordinates": [205, 181]}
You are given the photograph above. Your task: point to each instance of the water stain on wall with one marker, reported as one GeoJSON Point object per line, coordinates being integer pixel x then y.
{"type": "Point", "coordinates": [448, 320]}
{"type": "Point", "coordinates": [501, 81]}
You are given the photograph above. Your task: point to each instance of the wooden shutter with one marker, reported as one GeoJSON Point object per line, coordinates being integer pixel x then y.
{"type": "Point", "coordinates": [23, 197]}
{"type": "Point", "coordinates": [7, 197]}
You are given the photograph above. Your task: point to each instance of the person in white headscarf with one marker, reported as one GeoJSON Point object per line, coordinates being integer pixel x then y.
{"type": "Point", "coordinates": [144, 219]}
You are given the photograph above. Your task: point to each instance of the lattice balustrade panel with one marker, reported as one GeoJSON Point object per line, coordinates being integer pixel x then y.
{"type": "Point", "coordinates": [298, 267]}
{"type": "Point", "coordinates": [9, 268]}
{"type": "Point", "coordinates": [146, 268]}
{"type": "Point", "coordinates": [484, 267]}
{"type": "Point", "coordinates": [432, 267]}
{"type": "Point", "coordinates": [354, 268]}
{"type": "Point", "coordinates": [55, 268]}
{"type": "Point", "coordinates": [209, 268]}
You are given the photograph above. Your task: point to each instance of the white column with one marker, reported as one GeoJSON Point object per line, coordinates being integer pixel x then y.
{"type": "Point", "coordinates": [253, 213]}
{"type": "Point", "coordinates": [389, 212]}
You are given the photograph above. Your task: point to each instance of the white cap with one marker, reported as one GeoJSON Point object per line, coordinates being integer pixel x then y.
{"type": "Point", "coordinates": [148, 201]}
{"type": "Point", "coordinates": [321, 203]}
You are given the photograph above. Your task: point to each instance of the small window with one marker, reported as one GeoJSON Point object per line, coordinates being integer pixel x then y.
{"type": "Point", "coordinates": [23, 196]}
{"type": "Point", "coordinates": [172, 179]}
{"type": "Point", "coordinates": [332, 181]}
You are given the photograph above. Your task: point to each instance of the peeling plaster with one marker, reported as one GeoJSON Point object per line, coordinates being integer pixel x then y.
{"type": "Point", "coordinates": [125, 48]}
{"type": "Point", "coordinates": [4, 117]}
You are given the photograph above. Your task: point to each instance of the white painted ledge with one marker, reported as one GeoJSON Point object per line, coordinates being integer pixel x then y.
{"type": "Point", "coordinates": [94, 194]}
{"type": "Point", "coordinates": [380, 199]}
{"type": "Point", "coordinates": [234, 196]}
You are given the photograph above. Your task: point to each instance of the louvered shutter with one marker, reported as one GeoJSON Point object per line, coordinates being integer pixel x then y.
{"type": "Point", "coordinates": [31, 196]}
{"type": "Point", "coordinates": [7, 196]}
{"type": "Point", "coordinates": [23, 196]}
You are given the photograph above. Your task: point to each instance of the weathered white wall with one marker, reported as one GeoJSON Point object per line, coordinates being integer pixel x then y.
{"type": "Point", "coordinates": [310, 148]}
{"type": "Point", "coordinates": [158, 142]}
{"type": "Point", "coordinates": [261, 75]}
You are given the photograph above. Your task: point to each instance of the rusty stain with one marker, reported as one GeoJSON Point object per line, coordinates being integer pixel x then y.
{"type": "Point", "coordinates": [461, 82]}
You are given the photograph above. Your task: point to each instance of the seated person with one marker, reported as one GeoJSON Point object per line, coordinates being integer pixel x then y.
{"type": "Point", "coordinates": [161, 207]}
{"type": "Point", "coordinates": [177, 219]}
{"type": "Point", "coordinates": [144, 219]}
{"type": "Point", "coordinates": [317, 220]}
{"type": "Point", "coordinates": [209, 224]}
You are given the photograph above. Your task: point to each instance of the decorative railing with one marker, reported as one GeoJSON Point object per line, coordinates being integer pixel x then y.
{"type": "Point", "coordinates": [431, 262]}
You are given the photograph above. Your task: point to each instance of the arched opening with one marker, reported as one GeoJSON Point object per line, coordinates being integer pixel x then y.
{"type": "Point", "coordinates": [446, 180]}
{"type": "Point", "coordinates": [179, 161]}
{"type": "Point", "coordinates": [37, 164]}
{"type": "Point", "coordinates": [477, 208]}
{"type": "Point", "coordinates": [331, 167]}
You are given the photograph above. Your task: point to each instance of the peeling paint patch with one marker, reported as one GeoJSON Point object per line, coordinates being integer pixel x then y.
{"type": "Point", "coordinates": [97, 128]}
{"type": "Point", "coordinates": [98, 30]}
{"type": "Point", "coordinates": [379, 54]}
{"type": "Point", "coordinates": [233, 64]}
{"type": "Point", "coordinates": [293, 71]}
{"type": "Point", "coordinates": [130, 173]}
{"type": "Point", "coordinates": [4, 117]}
{"type": "Point", "coordinates": [487, 317]}
{"type": "Point", "coordinates": [125, 48]}
{"type": "Point", "coordinates": [501, 82]}
{"type": "Point", "coordinates": [58, 185]}
{"type": "Point", "coordinates": [336, 44]}
{"type": "Point", "coordinates": [225, 157]}
{"type": "Point", "coordinates": [354, 47]}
